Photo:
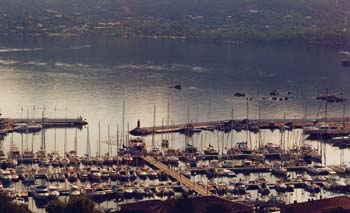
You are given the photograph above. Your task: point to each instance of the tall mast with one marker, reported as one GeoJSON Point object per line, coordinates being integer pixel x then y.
{"type": "Point", "coordinates": [188, 114]}
{"type": "Point", "coordinates": [247, 130]}
{"type": "Point", "coordinates": [65, 141]}
{"type": "Point", "coordinates": [43, 146]}
{"type": "Point", "coordinates": [65, 134]}
{"type": "Point", "coordinates": [127, 133]}
{"type": "Point", "coordinates": [99, 140]}
{"type": "Point", "coordinates": [259, 133]}
{"type": "Point", "coordinates": [325, 111]}
{"type": "Point", "coordinates": [154, 126]}
{"type": "Point", "coordinates": [55, 137]}
{"type": "Point", "coordinates": [123, 123]}
{"type": "Point", "coordinates": [117, 140]}
{"type": "Point", "coordinates": [188, 126]}
{"type": "Point", "coordinates": [88, 148]}
{"type": "Point", "coordinates": [109, 142]}
{"type": "Point", "coordinates": [162, 130]}
{"type": "Point", "coordinates": [76, 141]}
{"type": "Point", "coordinates": [232, 128]}
{"type": "Point", "coordinates": [167, 121]}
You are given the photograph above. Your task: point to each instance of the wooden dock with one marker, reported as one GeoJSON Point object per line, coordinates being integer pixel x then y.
{"type": "Point", "coordinates": [227, 125]}
{"type": "Point", "coordinates": [173, 174]}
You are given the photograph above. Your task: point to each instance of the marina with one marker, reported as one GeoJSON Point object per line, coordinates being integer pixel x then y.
{"type": "Point", "coordinates": [135, 171]}
{"type": "Point", "coordinates": [256, 135]}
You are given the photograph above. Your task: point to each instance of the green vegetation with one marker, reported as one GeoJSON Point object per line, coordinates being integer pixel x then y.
{"type": "Point", "coordinates": [8, 206]}
{"type": "Point", "coordinates": [75, 204]}
{"type": "Point", "coordinates": [235, 20]}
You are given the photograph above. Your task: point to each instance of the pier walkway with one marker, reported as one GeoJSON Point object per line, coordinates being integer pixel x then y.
{"type": "Point", "coordinates": [182, 179]}
{"type": "Point", "coordinates": [240, 124]}
{"type": "Point", "coordinates": [49, 122]}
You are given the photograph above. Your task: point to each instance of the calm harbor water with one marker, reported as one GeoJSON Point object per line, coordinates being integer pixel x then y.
{"type": "Point", "coordinates": [92, 77]}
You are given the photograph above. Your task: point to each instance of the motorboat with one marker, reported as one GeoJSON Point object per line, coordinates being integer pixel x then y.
{"type": "Point", "coordinates": [75, 191]}
{"type": "Point", "coordinates": [95, 174]}
{"type": "Point", "coordinates": [281, 187]}
{"type": "Point", "coordinates": [123, 176]}
{"type": "Point", "coordinates": [41, 192]}
{"type": "Point", "coordinates": [83, 175]}
{"type": "Point", "coordinates": [53, 192]}
{"type": "Point", "coordinates": [6, 176]}
{"type": "Point", "coordinates": [277, 169]}
{"type": "Point", "coordinates": [26, 128]}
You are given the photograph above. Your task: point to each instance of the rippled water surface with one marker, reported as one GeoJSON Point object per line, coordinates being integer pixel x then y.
{"type": "Point", "coordinates": [92, 77]}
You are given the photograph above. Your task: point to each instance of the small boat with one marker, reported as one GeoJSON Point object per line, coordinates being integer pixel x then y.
{"type": "Point", "coordinates": [162, 176]}
{"type": "Point", "coordinates": [132, 175]}
{"type": "Point", "coordinates": [113, 175]}
{"type": "Point", "coordinates": [277, 169]}
{"type": "Point", "coordinates": [186, 173]}
{"type": "Point", "coordinates": [152, 174]}
{"type": "Point", "coordinates": [27, 157]}
{"type": "Point", "coordinates": [42, 173]}
{"type": "Point", "coordinates": [99, 192]}
{"type": "Point", "coordinates": [14, 152]}
{"type": "Point", "coordinates": [117, 192]}
{"type": "Point", "coordinates": [55, 162]}
{"type": "Point", "coordinates": [14, 175]}
{"type": "Point", "coordinates": [252, 185]}
{"type": "Point", "coordinates": [25, 128]}
{"type": "Point", "coordinates": [290, 188]}
{"type": "Point", "coordinates": [173, 160]}
{"type": "Point", "coordinates": [281, 187]}
{"type": "Point", "coordinates": [28, 178]}
{"type": "Point", "coordinates": [86, 160]}
{"type": "Point", "coordinates": [138, 193]}
{"type": "Point", "coordinates": [339, 169]}
{"type": "Point", "coordinates": [231, 189]}
{"type": "Point", "coordinates": [41, 192]}
{"type": "Point", "coordinates": [221, 188]}
{"type": "Point", "coordinates": [240, 188]}
{"type": "Point", "coordinates": [264, 189]}
{"type": "Point", "coordinates": [345, 62]}
{"type": "Point", "coordinates": [229, 173]}
{"type": "Point", "coordinates": [61, 177]}
{"type": "Point", "coordinates": [108, 160]}
{"type": "Point", "coordinates": [72, 176]}
{"type": "Point", "coordinates": [104, 174]}
{"type": "Point", "coordinates": [83, 175]}
{"type": "Point", "coordinates": [95, 174]}
{"type": "Point", "coordinates": [128, 193]}
{"type": "Point", "coordinates": [210, 151]}
{"type": "Point", "coordinates": [64, 162]}
{"type": "Point", "coordinates": [6, 176]}
{"type": "Point", "coordinates": [312, 188]}
{"type": "Point", "coordinates": [339, 185]}
{"type": "Point", "coordinates": [165, 143]}
{"type": "Point", "coordinates": [75, 191]}
{"type": "Point", "coordinates": [142, 174]}
{"type": "Point", "coordinates": [87, 190]}
{"type": "Point", "coordinates": [53, 192]}
{"type": "Point", "coordinates": [123, 176]}
{"type": "Point", "coordinates": [239, 94]}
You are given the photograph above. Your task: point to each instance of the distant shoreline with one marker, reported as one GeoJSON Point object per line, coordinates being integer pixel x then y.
{"type": "Point", "coordinates": [334, 42]}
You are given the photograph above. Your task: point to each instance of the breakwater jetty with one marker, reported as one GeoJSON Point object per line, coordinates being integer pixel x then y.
{"type": "Point", "coordinates": [245, 124]}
